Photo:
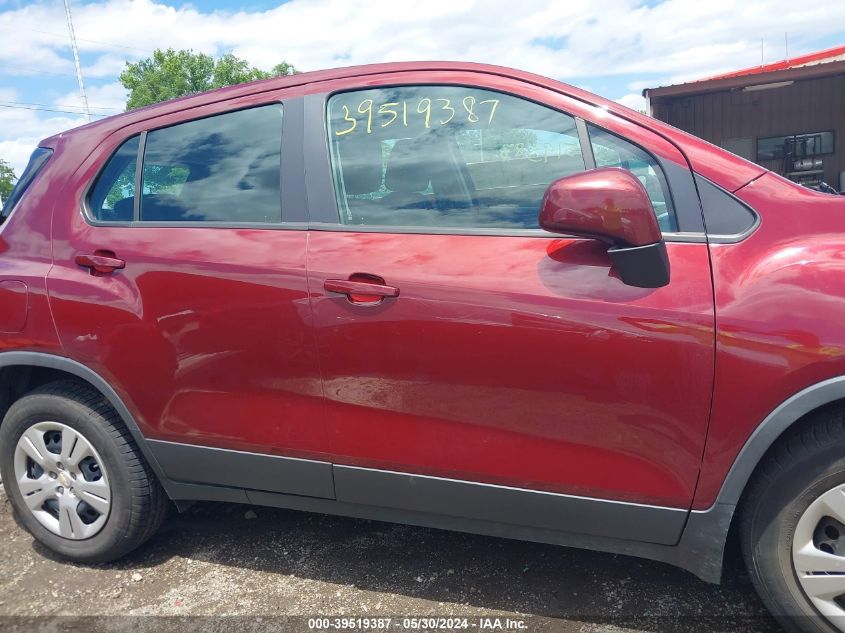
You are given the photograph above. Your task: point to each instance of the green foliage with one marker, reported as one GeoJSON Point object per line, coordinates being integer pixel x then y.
{"type": "Point", "coordinates": [122, 188]}
{"type": "Point", "coordinates": [7, 179]}
{"type": "Point", "coordinates": [157, 179]}
{"type": "Point", "coordinates": [170, 74]}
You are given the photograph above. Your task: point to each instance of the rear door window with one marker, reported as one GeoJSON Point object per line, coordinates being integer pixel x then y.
{"type": "Point", "coordinates": [224, 168]}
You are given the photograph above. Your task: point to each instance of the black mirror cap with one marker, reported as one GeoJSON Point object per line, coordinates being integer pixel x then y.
{"type": "Point", "coordinates": [641, 266]}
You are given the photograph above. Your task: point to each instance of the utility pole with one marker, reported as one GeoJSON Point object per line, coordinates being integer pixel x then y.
{"type": "Point", "coordinates": [76, 61]}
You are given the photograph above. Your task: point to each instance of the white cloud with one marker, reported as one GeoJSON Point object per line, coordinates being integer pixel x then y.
{"type": "Point", "coordinates": [676, 40]}
{"type": "Point", "coordinates": [108, 99]}
{"type": "Point", "coordinates": [22, 129]}
{"type": "Point", "coordinates": [634, 100]}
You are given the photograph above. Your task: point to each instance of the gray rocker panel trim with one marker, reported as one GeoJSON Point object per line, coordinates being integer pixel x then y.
{"type": "Point", "coordinates": [259, 473]}
{"type": "Point", "coordinates": [188, 463]}
{"type": "Point", "coordinates": [699, 551]}
{"type": "Point", "coordinates": [507, 505]}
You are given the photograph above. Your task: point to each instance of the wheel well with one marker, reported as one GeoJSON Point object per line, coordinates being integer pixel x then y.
{"type": "Point", "coordinates": [18, 380]}
{"type": "Point", "coordinates": [793, 429]}
{"type": "Point", "coordinates": [732, 548]}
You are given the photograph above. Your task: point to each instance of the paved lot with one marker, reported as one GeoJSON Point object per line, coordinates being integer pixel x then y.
{"type": "Point", "coordinates": [221, 559]}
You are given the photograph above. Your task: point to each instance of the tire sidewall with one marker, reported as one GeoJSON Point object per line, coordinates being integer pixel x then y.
{"type": "Point", "coordinates": [37, 408]}
{"type": "Point", "coordinates": [774, 518]}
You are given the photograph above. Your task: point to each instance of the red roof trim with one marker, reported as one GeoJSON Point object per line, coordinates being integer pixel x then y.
{"type": "Point", "coordinates": [783, 64]}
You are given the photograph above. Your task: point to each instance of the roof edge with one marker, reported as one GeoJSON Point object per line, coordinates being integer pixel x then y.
{"type": "Point", "coordinates": [734, 82]}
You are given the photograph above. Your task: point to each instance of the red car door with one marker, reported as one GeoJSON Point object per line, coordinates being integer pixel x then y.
{"type": "Point", "coordinates": [470, 359]}
{"type": "Point", "coordinates": [193, 303]}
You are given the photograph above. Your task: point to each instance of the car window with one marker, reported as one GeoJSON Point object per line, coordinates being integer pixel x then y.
{"type": "Point", "coordinates": [224, 168]}
{"type": "Point", "coordinates": [445, 156]}
{"type": "Point", "coordinates": [610, 150]}
{"type": "Point", "coordinates": [36, 163]}
{"type": "Point", "coordinates": [112, 198]}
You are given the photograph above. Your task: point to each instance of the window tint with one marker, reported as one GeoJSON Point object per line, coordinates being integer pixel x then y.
{"type": "Point", "coordinates": [37, 161]}
{"type": "Point", "coordinates": [443, 156]}
{"type": "Point", "coordinates": [610, 150]}
{"type": "Point", "coordinates": [113, 197]}
{"type": "Point", "coordinates": [723, 214]}
{"type": "Point", "coordinates": [224, 168]}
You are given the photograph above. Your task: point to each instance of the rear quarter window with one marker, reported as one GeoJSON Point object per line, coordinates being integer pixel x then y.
{"type": "Point", "coordinates": [36, 163]}
{"type": "Point", "coordinates": [724, 214]}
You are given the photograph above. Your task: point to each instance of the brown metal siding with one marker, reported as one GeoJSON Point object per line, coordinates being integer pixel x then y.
{"type": "Point", "coordinates": [813, 105]}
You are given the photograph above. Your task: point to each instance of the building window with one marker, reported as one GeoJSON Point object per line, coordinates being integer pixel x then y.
{"type": "Point", "coordinates": [795, 145]}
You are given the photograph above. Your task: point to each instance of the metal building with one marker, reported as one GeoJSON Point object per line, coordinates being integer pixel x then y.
{"type": "Point", "coordinates": [788, 116]}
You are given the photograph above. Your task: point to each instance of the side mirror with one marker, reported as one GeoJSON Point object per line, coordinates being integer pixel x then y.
{"type": "Point", "coordinates": [611, 205]}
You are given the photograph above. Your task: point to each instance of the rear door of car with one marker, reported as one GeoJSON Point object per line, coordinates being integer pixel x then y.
{"type": "Point", "coordinates": [186, 290]}
{"type": "Point", "coordinates": [474, 365]}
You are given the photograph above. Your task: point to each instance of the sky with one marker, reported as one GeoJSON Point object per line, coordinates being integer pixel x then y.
{"type": "Point", "coordinates": [611, 47]}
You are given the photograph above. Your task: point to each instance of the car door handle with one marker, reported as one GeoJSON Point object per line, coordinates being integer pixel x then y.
{"type": "Point", "coordinates": [100, 262]}
{"type": "Point", "coordinates": [370, 291]}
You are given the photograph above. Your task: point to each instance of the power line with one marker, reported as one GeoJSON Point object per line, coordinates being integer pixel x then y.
{"type": "Point", "coordinates": [35, 70]}
{"type": "Point", "coordinates": [58, 105]}
{"type": "Point", "coordinates": [14, 27]}
{"type": "Point", "coordinates": [76, 112]}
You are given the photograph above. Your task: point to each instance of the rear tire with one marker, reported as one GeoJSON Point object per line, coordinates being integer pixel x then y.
{"type": "Point", "coordinates": [70, 419]}
{"type": "Point", "coordinates": [789, 514]}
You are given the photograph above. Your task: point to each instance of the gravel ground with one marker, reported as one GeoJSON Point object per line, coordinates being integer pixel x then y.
{"type": "Point", "coordinates": [231, 560]}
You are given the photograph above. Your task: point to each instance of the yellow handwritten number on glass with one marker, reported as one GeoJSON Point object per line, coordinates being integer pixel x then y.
{"type": "Point", "coordinates": [367, 105]}
{"type": "Point", "coordinates": [495, 103]}
{"type": "Point", "coordinates": [424, 106]}
{"type": "Point", "coordinates": [469, 104]}
{"type": "Point", "coordinates": [385, 109]}
{"type": "Point", "coordinates": [346, 117]}
{"type": "Point", "coordinates": [448, 108]}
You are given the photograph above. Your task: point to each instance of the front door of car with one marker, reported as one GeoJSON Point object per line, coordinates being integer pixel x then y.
{"type": "Point", "coordinates": [186, 289]}
{"type": "Point", "coordinates": [470, 359]}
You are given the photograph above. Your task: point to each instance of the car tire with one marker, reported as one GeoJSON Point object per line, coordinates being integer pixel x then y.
{"type": "Point", "coordinates": [103, 466]}
{"type": "Point", "coordinates": [783, 526]}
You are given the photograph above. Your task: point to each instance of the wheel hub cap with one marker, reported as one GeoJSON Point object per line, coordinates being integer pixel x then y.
{"type": "Point", "coordinates": [62, 480]}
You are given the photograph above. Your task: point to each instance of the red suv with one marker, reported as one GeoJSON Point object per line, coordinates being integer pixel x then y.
{"type": "Point", "coordinates": [442, 294]}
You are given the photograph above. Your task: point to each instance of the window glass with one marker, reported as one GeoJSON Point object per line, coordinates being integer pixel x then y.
{"type": "Point", "coordinates": [37, 161]}
{"type": "Point", "coordinates": [795, 146]}
{"type": "Point", "coordinates": [610, 150]}
{"type": "Point", "coordinates": [444, 156]}
{"type": "Point", "coordinates": [224, 168]}
{"type": "Point", "coordinates": [113, 197]}
{"type": "Point", "coordinates": [723, 213]}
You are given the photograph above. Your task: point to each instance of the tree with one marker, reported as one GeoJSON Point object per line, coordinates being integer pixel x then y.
{"type": "Point", "coordinates": [7, 180]}
{"type": "Point", "coordinates": [170, 74]}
